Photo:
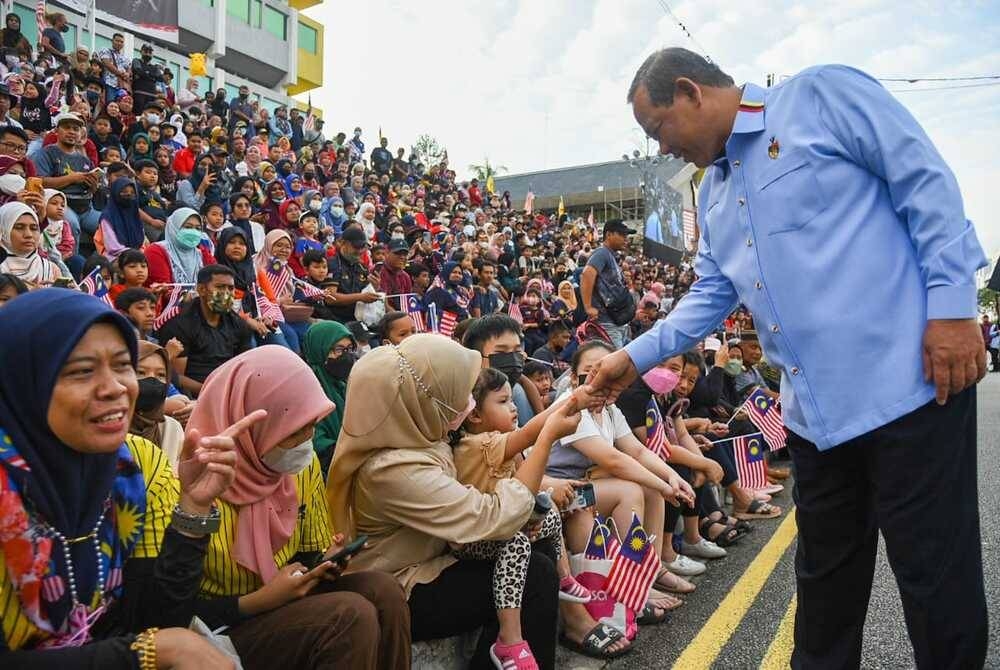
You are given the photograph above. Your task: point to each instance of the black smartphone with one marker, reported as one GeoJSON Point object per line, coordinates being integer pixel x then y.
{"type": "Point", "coordinates": [352, 548]}
{"type": "Point", "coordinates": [581, 380]}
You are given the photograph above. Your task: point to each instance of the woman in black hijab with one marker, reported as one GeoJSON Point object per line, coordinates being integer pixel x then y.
{"type": "Point", "coordinates": [97, 546]}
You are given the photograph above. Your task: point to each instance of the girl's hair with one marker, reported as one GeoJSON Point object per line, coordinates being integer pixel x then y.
{"type": "Point", "coordinates": [490, 379]}
{"type": "Point", "coordinates": [94, 261]}
{"type": "Point", "coordinates": [10, 280]}
{"type": "Point", "coordinates": [584, 348]}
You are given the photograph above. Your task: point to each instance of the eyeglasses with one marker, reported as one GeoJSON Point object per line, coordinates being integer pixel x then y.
{"type": "Point", "coordinates": [15, 148]}
{"type": "Point", "coordinates": [341, 350]}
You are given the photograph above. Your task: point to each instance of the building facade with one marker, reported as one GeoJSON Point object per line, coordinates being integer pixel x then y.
{"type": "Point", "coordinates": [270, 46]}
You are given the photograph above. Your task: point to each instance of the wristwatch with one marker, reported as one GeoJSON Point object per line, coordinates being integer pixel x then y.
{"type": "Point", "coordinates": [196, 524]}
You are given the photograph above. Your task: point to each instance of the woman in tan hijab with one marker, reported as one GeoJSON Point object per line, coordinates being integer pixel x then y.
{"type": "Point", "coordinates": [393, 479]}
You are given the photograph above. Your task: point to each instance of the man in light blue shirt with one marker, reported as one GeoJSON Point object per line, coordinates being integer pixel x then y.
{"type": "Point", "coordinates": [827, 211]}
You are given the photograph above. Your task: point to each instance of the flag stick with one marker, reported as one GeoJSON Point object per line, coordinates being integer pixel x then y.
{"type": "Point", "coordinates": [727, 439]}
{"type": "Point", "coordinates": [738, 409]}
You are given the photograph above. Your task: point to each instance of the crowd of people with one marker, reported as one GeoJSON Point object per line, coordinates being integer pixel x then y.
{"type": "Point", "coordinates": [303, 342]}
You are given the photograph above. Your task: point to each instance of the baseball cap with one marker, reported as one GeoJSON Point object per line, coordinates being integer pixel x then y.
{"type": "Point", "coordinates": [356, 238]}
{"type": "Point", "coordinates": [617, 226]}
{"type": "Point", "coordinates": [69, 117]}
{"type": "Point", "coordinates": [398, 247]}
{"type": "Point", "coordinates": [712, 344]}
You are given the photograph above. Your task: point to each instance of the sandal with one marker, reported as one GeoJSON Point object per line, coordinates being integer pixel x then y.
{"type": "Point", "coordinates": [596, 642]}
{"type": "Point", "coordinates": [724, 538]}
{"type": "Point", "coordinates": [778, 472]}
{"type": "Point", "coordinates": [758, 510]}
{"type": "Point", "coordinates": [671, 583]}
{"type": "Point", "coordinates": [513, 657]}
{"type": "Point", "coordinates": [649, 617]}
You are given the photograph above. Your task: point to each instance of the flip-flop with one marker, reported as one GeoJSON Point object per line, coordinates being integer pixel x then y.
{"type": "Point", "coordinates": [770, 489]}
{"type": "Point", "coordinates": [758, 510]}
{"type": "Point", "coordinates": [596, 642]}
{"type": "Point", "coordinates": [649, 617]}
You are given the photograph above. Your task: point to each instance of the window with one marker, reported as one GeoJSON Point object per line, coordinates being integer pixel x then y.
{"type": "Point", "coordinates": [231, 91]}
{"type": "Point", "coordinates": [240, 9]}
{"type": "Point", "coordinates": [204, 83]}
{"type": "Point", "coordinates": [28, 27]}
{"type": "Point", "coordinates": [269, 105]}
{"type": "Point", "coordinates": [256, 8]}
{"type": "Point", "coordinates": [274, 23]}
{"type": "Point", "coordinates": [102, 42]}
{"type": "Point", "coordinates": [307, 38]}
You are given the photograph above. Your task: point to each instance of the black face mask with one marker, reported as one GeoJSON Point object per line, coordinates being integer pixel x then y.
{"type": "Point", "coordinates": [152, 394]}
{"type": "Point", "coordinates": [340, 368]}
{"type": "Point", "coordinates": [510, 363]}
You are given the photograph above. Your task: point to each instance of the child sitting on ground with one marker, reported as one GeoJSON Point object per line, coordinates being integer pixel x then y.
{"type": "Point", "coordinates": [487, 449]}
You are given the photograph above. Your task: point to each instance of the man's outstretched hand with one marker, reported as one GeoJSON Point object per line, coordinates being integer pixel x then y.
{"type": "Point", "coordinates": [613, 374]}
{"type": "Point", "coordinates": [954, 356]}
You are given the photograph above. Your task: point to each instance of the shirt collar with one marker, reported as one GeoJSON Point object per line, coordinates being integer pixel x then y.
{"type": "Point", "coordinates": [750, 117]}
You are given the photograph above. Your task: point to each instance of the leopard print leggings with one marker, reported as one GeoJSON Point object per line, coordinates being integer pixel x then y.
{"type": "Point", "coordinates": [511, 558]}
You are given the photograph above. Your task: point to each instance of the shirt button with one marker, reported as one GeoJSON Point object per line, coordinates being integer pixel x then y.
{"type": "Point", "coordinates": [758, 286]}
{"type": "Point", "coordinates": [736, 163]}
{"type": "Point", "coordinates": [774, 328]}
{"type": "Point", "coordinates": [742, 202]}
{"type": "Point", "coordinates": [795, 371]}
{"type": "Point", "coordinates": [749, 242]}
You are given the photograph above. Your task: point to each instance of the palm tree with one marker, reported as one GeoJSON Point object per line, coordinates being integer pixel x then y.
{"type": "Point", "coordinates": [486, 170]}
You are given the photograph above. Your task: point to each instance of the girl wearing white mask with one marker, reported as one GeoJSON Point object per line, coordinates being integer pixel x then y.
{"type": "Point", "coordinates": [265, 574]}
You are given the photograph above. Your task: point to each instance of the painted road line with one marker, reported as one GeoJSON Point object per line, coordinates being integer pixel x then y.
{"type": "Point", "coordinates": [713, 636]}
{"type": "Point", "coordinates": [779, 652]}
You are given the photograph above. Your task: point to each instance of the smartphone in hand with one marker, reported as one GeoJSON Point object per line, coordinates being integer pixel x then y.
{"type": "Point", "coordinates": [585, 497]}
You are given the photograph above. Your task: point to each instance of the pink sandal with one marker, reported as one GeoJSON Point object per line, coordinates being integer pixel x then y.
{"type": "Point", "coordinates": [513, 657]}
{"type": "Point", "coordinates": [573, 591]}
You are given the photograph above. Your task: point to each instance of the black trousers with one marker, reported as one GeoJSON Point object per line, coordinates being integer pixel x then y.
{"type": "Point", "coordinates": [461, 600]}
{"type": "Point", "coordinates": [915, 481]}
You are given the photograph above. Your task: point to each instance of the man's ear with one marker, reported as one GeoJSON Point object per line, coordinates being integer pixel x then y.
{"type": "Point", "coordinates": [687, 88]}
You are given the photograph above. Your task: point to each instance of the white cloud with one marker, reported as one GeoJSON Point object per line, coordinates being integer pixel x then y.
{"type": "Point", "coordinates": [542, 84]}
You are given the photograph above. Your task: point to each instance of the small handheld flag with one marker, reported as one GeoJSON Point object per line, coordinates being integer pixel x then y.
{"type": "Point", "coordinates": [748, 452]}
{"type": "Point", "coordinates": [514, 312]}
{"type": "Point", "coordinates": [413, 308]}
{"type": "Point", "coordinates": [448, 322]}
{"type": "Point", "coordinates": [265, 308]}
{"type": "Point", "coordinates": [766, 415]}
{"type": "Point", "coordinates": [308, 290]}
{"type": "Point", "coordinates": [171, 309]}
{"type": "Point", "coordinates": [597, 547]}
{"type": "Point", "coordinates": [634, 569]}
{"type": "Point", "coordinates": [95, 286]}
{"type": "Point", "coordinates": [656, 436]}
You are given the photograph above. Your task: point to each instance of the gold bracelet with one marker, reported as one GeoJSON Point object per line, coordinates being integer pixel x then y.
{"type": "Point", "coordinates": [144, 647]}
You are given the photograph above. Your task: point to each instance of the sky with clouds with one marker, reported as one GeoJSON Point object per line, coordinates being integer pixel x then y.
{"type": "Point", "coordinates": [536, 84]}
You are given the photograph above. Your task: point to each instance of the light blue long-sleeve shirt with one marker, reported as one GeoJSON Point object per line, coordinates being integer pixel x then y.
{"type": "Point", "coordinates": [836, 221]}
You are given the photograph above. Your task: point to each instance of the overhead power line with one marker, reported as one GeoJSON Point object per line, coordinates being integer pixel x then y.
{"type": "Point", "coordinates": [913, 80]}
{"type": "Point", "coordinates": [943, 88]}
{"type": "Point", "coordinates": [680, 24]}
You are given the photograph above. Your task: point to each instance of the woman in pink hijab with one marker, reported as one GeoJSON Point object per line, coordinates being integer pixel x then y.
{"type": "Point", "coordinates": [265, 574]}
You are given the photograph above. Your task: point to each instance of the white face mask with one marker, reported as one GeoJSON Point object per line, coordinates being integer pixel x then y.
{"type": "Point", "coordinates": [314, 205]}
{"type": "Point", "coordinates": [289, 461]}
{"type": "Point", "coordinates": [12, 184]}
{"type": "Point", "coordinates": [337, 211]}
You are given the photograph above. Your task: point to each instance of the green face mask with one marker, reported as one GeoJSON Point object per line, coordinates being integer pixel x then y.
{"type": "Point", "coordinates": [220, 302]}
{"type": "Point", "coordinates": [188, 237]}
{"type": "Point", "coordinates": [733, 367]}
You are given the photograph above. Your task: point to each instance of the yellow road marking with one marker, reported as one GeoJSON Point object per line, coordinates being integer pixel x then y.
{"type": "Point", "coordinates": [779, 652]}
{"type": "Point", "coordinates": [713, 636]}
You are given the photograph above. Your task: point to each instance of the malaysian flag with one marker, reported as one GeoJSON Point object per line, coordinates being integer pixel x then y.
{"type": "Point", "coordinates": [634, 569]}
{"type": "Point", "coordinates": [279, 274]}
{"type": "Point", "coordinates": [265, 308]}
{"type": "Point", "coordinates": [95, 286]}
{"type": "Point", "coordinates": [748, 452]}
{"type": "Point", "coordinates": [690, 230]}
{"type": "Point", "coordinates": [172, 308]}
{"type": "Point", "coordinates": [308, 290]}
{"type": "Point", "coordinates": [514, 311]}
{"type": "Point", "coordinates": [602, 544]}
{"type": "Point", "coordinates": [765, 414]}
{"type": "Point", "coordinates": [656, 436]}
{"type": "Point", "coordinates": [448, 322]}
{"type": "Point", "coordinates": [413, 308]}
{"type": "Point", "coordinates": [40, 18]}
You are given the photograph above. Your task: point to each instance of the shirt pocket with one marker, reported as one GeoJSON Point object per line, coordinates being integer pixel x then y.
{"type": "Point", "coordinates": [789, 195]}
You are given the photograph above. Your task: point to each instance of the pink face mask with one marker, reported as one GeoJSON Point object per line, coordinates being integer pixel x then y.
{"type": "Point", "coordinates": [456, 423]}
{"type": "Point", "coordinates": [661, 380]}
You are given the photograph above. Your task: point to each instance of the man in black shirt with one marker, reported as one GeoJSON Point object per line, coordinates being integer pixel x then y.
{"type": "Point", "coordinates": [382, 157]}
{"type": "Point", "coordinates": [145, 76]}
{"type": "Point", "coordinates": [208, 328]}
{"type": "Point", "coordinates": [348, 275]}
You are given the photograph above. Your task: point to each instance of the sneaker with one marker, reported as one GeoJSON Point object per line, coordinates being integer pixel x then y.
{"type": "Point", "coordinates": [703, 549]}
{"type": "Point", "coordinates": [573, 591]}
{"type": "Point", "coordinates": [685, 567]}
{"type": "Point", "coordinates": [513, 657]}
